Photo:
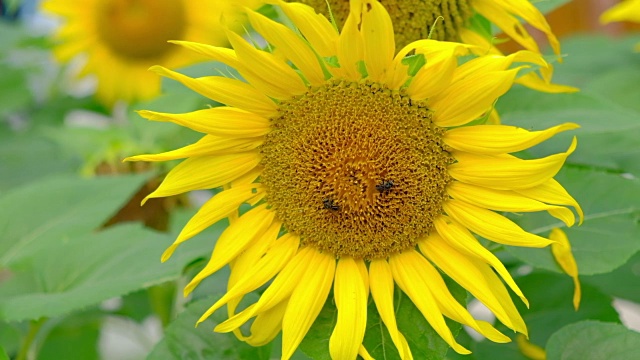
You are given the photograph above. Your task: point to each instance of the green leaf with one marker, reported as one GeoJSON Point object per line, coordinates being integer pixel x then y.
{"type": "Point", "coordinates": [593, 340]}
{"type": "Point", "coordinates": [183, 341]}
{"type": "Point", "coordinates": [423, 340]}
{"type": "Point", "coordinates": [608, 136]}
{"type": "Point", "coordinates": [44, 213]}
{"type": "Point", "coordinates": [10, 337]}
{"type": "Point", "coordinates": [76, 337]}
{"type": "Point", "coordinates": [622, 282]}
{"type": "Point", "coordinates": [415, 63]}
{"type": "Point", "coordinates": [95, 267]}
{"type": "Point", "coordinates": [27, 157]}
{"type": "Point", "coordinates": [609, 235]}
{"type": "Point", "coordinates": [3, 354]}
{"type": "Point", "coordinates": [14, 91]}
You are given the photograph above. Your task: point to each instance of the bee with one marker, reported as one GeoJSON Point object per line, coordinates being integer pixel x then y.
{"type": "Point", "coordinates": [329, 204]}
{"type": "Point", "coordinates": [385, 186]}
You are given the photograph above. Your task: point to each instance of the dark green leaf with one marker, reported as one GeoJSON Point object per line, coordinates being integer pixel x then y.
{"type": "Point", "coordinates": [609, 235]}
{"type": "Point", "coordinates": [183, 341]}
{"type": "Point", "coordinates": [593, 340]}
{"type": "Point", "coordinates": [46, 213]}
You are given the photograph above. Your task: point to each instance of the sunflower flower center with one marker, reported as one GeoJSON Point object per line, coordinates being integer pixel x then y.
{"type": "Point", "coordinates": [412, 19]}
{"type": "Point", "coordinates": [140, 29]}
{"type": "Point", "coordinates": [355, 169]}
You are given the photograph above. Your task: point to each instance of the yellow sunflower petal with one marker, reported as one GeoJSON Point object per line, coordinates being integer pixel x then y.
{"type": "Point", "coordinates": [469, 98]}
{"type": "Point", "coordinates": [532, 16]}
{"type": "Point", "coordinates": [281, 288]}
{"type": "Point", "coordinates": [291, 45]}
{"type": "Point", "coordinates": [461, 239]}
{"type": "Point", "coordinates": [206, 172]}
{"type": "Point", "coordinates": [381, 282]}
{"type": "Point", "coordinates": [220, 121]}
{"type": "Point", "coordinates": [351, 301]}
{"type": "Point", "coordinates": [628, 10]}
{"type": "Point", "coordinates": [407, 269]}
{"type": "Point", "coordinates": [322, 36]}
{"type": "Point", "coordinates": [491, 225]}
{"type": "Point", "coordinates": [499, 139]}
{"type": "Point", "coordinates": [507, 172]}
{"type": "Point", "coordinates": [551, 192]}
{"type": "Point", "coordinates": [535, 82]}
{"type": "Point", "coordinates": [350, 43]}
{"type": "Point", "coordinates": [447, 303]}
{"type": "Point", "coordinates": [214, 210]}
{"type": "Point", "coordinates": [264, 269]}
{"type": "Point", "coordinates": [267, 325]}
{"type": "Point", "coordinates": [470, 274]}
{"type": "Point", "coordinates": [362, 351]}
{"type": "Point", "coordinates": [561, 250]}
{"type": "Point", "coordinates": [501, 200]}
{"type": "Point", "coordinates": [436, 75]}
{"type": "Point", "coordinates": [208, 145]}
{"type": "Point", "coordinates": [267, 73]}
{"type": "Point", "coordinates": [306, 301]}
{"type": "Point", "coordinates": [233, 240]}
{"type": "Point", "coordinates": [227, 91]}
{"type": "Point", "coordinates": [378, 39]}
{"type": "Point", "coordinates": [217, 53]}
{"type": "Point", "coordinates": [529, 349]}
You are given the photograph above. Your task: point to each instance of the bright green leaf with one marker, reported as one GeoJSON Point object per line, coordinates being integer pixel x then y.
{"type": "Point", "coordinates": [593, 340]}
{"type": "Point", "coordinates": [46, 213]}
{"type": "Point", "coordinates": [3, 354]}
{"type": "Point", "coordinates": [183, 341]}
{"type": "Point", "coordinates": [609, 235]}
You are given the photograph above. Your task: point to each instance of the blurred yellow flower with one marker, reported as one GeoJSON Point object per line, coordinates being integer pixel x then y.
{"type": "Point", "coordinates": [121, 39]}
{"type": "Point", "coordinates": [628, 10]}
{"type": "Point", "coordinates": [362, 172]}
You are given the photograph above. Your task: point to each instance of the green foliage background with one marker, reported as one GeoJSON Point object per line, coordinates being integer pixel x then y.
{"type": "Point", "coordinates": [60, 265]}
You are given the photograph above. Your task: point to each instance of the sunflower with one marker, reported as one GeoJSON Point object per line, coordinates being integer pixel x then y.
{"type": "Point", "coordinates": [121, 39]}
{"type": "Point", "coordinates": [628, 10]}
{"type": "Point", "coordinates": [456, 20]}
{"type": "Point", "coordinates": [363, 169]}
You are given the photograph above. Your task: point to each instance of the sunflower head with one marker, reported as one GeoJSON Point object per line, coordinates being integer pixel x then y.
{"type": "Point", "coordinates": [121, 39]}
{"type": "Point", "coordinates": [364, 168]}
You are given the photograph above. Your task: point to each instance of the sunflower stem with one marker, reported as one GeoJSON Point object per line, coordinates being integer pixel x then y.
{"type": "Point", "coordinates": [25, 350]}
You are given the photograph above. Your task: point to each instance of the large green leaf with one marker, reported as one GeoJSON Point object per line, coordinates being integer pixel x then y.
{"type": "Point", "coordinates": [424, 342]}
{"type": "Point", "coordinates": [27, 157]}
{"type": "Point", "coordinates": [83, 269]}
{"type": "Point", "coordinates": [609, 235]}
{"type": "Point", "coordinates": [46, 213]}
{"type": "Point", "coordinates": [608, 137]}
{"type": "Point", "coordinates": [183, 341]}
{"type": "Point", "coordinates": [622, 282]}
{"type": "Point", "coordinates": [593, 340]}
{"type": "Point", "coordinates": [75, 337]}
